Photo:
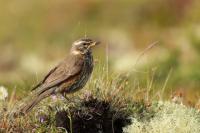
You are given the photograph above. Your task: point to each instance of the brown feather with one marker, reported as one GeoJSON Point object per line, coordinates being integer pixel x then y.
{"type": "Point", "coordinates": [68, 68]}
{"type": "Point", "coordinates": [68, 76]}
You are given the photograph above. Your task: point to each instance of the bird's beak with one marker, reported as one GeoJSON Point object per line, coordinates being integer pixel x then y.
{"type": "Point", "coordinates": [94, 43]}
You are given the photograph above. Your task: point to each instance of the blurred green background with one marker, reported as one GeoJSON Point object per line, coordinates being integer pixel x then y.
{"type": "Point", "coordinates": [35, 35]}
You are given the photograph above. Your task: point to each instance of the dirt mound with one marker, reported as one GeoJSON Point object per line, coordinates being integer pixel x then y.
{"type": "Point", "coordinates": [93, 116]}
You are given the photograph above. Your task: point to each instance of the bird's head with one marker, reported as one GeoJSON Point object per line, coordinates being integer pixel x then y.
{"type": "Point", "coordinates": [83, 46]}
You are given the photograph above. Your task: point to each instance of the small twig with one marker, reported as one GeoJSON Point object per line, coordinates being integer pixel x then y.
{"type": "Point", "coordinates": [70, 118]}
{"type": "Point", "coordinates": [165, 84]}
{"type": "Point", "coordinates": [113, 118]}
{"type": "Point", "coordinates": [149, 87]}
{"type": "Point", "coordinates": [144, 51]}
{"type": "Point", "coordinates": [107, 61]}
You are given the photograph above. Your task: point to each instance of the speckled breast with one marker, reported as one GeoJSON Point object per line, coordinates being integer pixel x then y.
{"type": "Point", "coordinates": [81, 79]}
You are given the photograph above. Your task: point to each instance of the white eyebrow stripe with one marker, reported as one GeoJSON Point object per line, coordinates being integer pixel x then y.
{"type": "Point", "coordinates": [79, 42]}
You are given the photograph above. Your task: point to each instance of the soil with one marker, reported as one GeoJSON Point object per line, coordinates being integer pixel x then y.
{"type": "Point", "coordinates": [93, 116]}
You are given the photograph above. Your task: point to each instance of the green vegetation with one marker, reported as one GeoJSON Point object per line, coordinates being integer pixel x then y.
{"type": "Point", "coordinates": [169, 117]}
{"type": "Point", "coordinates": [106, 105]}
{"type": "Point", "coordinates": [159, 94]}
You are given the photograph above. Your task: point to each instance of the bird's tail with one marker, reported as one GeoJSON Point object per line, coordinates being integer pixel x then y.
{"type": "Point", "coordinates": [27, 107]}
{"type": "Point", "coordinates": [31, 101]}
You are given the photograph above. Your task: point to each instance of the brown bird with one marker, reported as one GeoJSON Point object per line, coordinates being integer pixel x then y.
{"type": "Point", "coordinates": [68, 76]}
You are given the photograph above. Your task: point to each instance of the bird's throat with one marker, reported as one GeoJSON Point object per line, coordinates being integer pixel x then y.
{"type": "Point", "coordinates": [76, 52]}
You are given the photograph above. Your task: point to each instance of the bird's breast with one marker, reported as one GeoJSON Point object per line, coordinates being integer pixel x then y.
{"type": "Point", "coordinates": [87, 71]}
{"type": "Point", "coordinates": [81, 80]}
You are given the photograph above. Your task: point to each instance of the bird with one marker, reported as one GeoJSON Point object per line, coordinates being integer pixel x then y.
{"type": "Point", "coordinates": [69, 76]}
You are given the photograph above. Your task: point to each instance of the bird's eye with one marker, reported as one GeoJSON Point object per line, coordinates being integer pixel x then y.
{"type": "Point", "coordinates": [84, 44]}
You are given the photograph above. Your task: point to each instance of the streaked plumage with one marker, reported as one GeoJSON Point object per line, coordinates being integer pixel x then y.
{"type": "Point", "coordinates": [68, 76]}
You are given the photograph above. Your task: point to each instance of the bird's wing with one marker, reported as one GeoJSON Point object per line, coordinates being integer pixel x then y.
{"type": "Point", "coordinates": [50, 72]}
{"type": "Point", "coordinates": [70, 67]}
